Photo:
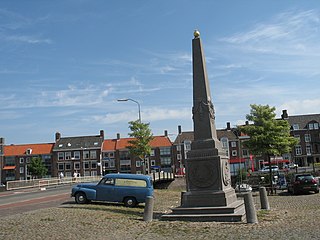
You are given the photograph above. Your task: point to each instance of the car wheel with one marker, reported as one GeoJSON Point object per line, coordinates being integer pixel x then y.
{"type": "Point", "coordinates": [295, 191]}
{"type": "Point", "coordinates": [81, 198]}
{"type": "Point", "coordinates": [317, 190]}
{"type": "Point", "coordinates": [130, 202]}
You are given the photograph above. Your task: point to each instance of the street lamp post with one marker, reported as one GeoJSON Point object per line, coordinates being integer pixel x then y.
{"type": "Point", "coordinates": [129, 99]}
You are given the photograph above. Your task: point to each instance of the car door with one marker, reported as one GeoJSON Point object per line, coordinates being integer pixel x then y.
{"type": "Point", "coordinates": [105, 190]}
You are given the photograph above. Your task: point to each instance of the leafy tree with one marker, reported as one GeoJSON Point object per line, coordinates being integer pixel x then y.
{"type": "Point", "coordinates": [36, 167]}
{"type": "Point", "coordinates": [140, 144]}
{"type": "Point", "coordinates": [268, 136]}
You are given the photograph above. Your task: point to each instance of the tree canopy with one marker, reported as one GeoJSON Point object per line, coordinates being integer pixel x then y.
{"type": "Point", "coordinates": [140, 144]}
{"type": "Point", "coordinates": [36, 167]}
{"type": "Point", "coordinates": [267, 135]}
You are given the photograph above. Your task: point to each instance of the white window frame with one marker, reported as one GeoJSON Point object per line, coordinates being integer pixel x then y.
{"type": "Point", "coordinates": [152, 153]}
{"type": "Point", "coordinates": [233, 144]}
{"type": "Point", "coordinates": [298, 150]}
{"type": "Point", "coordinates": [308, 150]}
{"type": "Point", "coordinates": [86, 154]}
{"type": "Point", "coordinates": [307, 137]}
{"type": "Point", "coordinates": [60, 155]}
{"type": "Point", "coordinates": [76, 166]}
{"type": "Point", "coordinates": [295, 126]}
{"type": "Point", "coordinates": [152, 163]}
{"type": "Point", "coordinates": [67, 155]}
{"type": "Point", "coordinates": [86, 163]}
{"type": "Point", "coordinates": [62, 168]}
{"type": "Point", "coordinates": [21, 170]}
{"type": "Point", "coordinates": [76, 155]}
{"type": "Point", "coordinates": [138, 163]}
{"type": "Point", "coordinates": [93, 154]}
{"type": "Point", "coordinates": [21, 160]}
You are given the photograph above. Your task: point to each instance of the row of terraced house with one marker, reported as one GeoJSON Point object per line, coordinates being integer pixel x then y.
{"type": "Point", "coordinates": [94, 155]}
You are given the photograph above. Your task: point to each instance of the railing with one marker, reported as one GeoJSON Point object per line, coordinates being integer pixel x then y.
{"type": "Point", "coordinates": [162, 176]}
{"type": "Point", "coordinates": [51, 182]}
{"type": "Point", "coordinates": [47, 182]}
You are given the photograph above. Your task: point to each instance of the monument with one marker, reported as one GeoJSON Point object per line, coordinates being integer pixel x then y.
{"type": "Point", "coordinates": [209, 195]}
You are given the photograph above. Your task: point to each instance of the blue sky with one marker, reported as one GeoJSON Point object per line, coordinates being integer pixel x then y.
{"type": "Point", "coordinates": [64, 64]}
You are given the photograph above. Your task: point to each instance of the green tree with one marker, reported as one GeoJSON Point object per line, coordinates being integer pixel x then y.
{"type": "Point", "coordinates": [140, 144]}
{"type": "Point", "coordinates": [268, 136]}
{"type": "Point", "coordinates": [36, 167]}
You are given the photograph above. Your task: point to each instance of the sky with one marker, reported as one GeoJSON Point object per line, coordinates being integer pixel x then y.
{"type": "Point", "coordinates": [64, 64]}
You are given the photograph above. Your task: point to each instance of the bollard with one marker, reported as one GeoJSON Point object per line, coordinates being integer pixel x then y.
{"type": "Point", "coordinates": [264, 198]}
{"type": "Point", "coordinates": [251, 214]}
{"type": "Point", "coordinates": [148, 209]}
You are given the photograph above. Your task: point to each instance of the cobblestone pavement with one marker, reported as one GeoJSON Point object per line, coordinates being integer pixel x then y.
{"type": "Point", "coordinates": [290, 217]}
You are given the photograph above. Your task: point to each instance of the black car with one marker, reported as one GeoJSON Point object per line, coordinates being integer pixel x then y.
{"type": "Point", "coordinates": [303, 183]}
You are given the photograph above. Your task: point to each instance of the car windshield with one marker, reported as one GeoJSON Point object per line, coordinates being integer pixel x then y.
{"type": "Point", "coordinates": [304, 177]}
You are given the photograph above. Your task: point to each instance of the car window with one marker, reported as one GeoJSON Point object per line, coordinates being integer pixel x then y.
{"type": "Point", "coordinates": [130, 182]}
{"type": "Point", "coordinates": [109, 181]}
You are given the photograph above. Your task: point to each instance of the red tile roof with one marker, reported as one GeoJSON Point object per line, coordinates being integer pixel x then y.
{"type": "Point", "coordinates": [37, 149]}
{"type": "Point", "coordinates": [122, 143]}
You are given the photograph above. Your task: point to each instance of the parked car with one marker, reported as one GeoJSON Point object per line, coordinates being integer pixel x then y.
{"type": "Point", "coordinates": [291, 165]}
{"type": "Point", "coordinates": [243, 187]}
{"type": "Point", "coordinates": [267, 169]}
{"type": "Point", "coordinates": [303, 182]}
{"type": "Point", "coordinates": [130, 189]}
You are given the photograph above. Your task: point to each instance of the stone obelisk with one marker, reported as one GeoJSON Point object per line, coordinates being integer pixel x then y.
{"type": "Point", "coordinates": [209, 195]}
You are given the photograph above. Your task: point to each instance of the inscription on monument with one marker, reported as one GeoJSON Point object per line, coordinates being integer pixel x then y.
{"type": "Point", "coordinates": [203, 175]}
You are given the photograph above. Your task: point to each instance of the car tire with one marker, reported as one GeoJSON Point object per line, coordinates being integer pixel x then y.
{"type": "Point", "coordinates": [317, 190]}
{"type": "Point", "coordinates": [130, 202]}
{"type": "Point", "coordinates": [294, 191]}
{"type": "Point", "coordinates": [81, 198]}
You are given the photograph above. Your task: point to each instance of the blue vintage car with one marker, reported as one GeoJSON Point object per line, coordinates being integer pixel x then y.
{"type": "Point", "coordinates": [131, 189]}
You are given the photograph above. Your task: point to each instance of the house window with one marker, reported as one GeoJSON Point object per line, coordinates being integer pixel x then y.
{"type": "Point", "coordinates": [68, 166]}
{"type": "Point", "coordinates": [153, 163]}
{"type": "Point", "coordinates": [112, 163]}
{"type": "Point", "coordinates": [307, 138]}
{"type": "Point", "coordinates": [21, 160]}
{"type": "Point", "coordinates": [298, 150]}
{"type": "Point", "coordinates": [93, 164]}
{"type": "Point", "coordinates": [297, 137]}
{"type": "Point", "coordinates": [165, 161]}
{"type": "Point", "coordinates": [86, 173]}
{"type": "Point", "coordinates": [111, 154]}
{"type": "Point", "coordinates": [233, 144]}
{"type": "Point", "coordinates": [316, 125]}
{"type": "Point", "coordinates": [125, 166]}
{"type": "Point", "coordinates": [138, 163]}
{"type": "Point", "coordinates": [60, 166]}
{"type": "Point", "coordinates": [308, 150]}
{"type": "Point", "coordinates": [86, 165]}
{"type": "Point", "coordinates": [178, 148]}
{"type": "Point", "coordinates": [94, 173]}
{"type": "Point", "coordinates": [152, 153]}
{"type": "Point", "coordinates": [86, 155]}
{"type": "Point", "coordinates": [67, 155]}
{"type": "Point", "coordinates": [76, 166]}
{"type": "Point", "coordinates": [187, 145]}
{"type": "Point", "coordinates": [310, 126]}
{"type": "Point", "coordinates": [295, 126]}
{"type": "Point", "coordinates": [245, 152]}
{"type": "Point", "coordinates": [165, 151]}
{"type": "Point", "coordinates": [28, 160]}
{"type": "Point", "coordinates": [60, 155]}
{"type": "Point", "coordinates": [179, 156]}
{"type": "Point", "coordinates": [29, 151]}
{"type": "Point", "coordinates": [224, 142]}
{"type": "Point", "coordinates": [76, 155]}
{"type": "Point", "coordinates": [93, 154]}
{"type": "Point", "coordinates": [124, 155]}
{"type": "Point", "coordinates": [234, 153]}
{"type": "Point", "coordinates": [21, 170]}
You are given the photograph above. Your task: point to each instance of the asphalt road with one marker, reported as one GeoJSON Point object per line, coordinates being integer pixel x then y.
{"type": "Point", "coordinates": [15, 202]}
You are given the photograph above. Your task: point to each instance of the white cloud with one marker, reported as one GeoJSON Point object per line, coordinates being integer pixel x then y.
{"type": "Point", "coordinates": [297, 107]}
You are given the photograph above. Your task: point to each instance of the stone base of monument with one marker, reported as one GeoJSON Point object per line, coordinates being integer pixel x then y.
{"type": "Point", "coordinates": [235, 212]}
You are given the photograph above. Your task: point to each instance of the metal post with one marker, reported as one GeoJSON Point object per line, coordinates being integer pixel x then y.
{"type": "Point", "coordinates": [264, 198]}
{"type": "Point", "coordinates": [148, 209]}
{"type": "Point", "coordinates": [132, 100]}
{"type": "Point", "coordinates": [251, 214]}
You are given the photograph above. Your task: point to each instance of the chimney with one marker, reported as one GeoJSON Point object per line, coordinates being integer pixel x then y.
{"type": "Point", "coordinates": [228, 126]}
{"type": "Point", "coordinates": [179, 129]}
{"type": "Point", "coordinates": [284, 114]}
{"type": "Point", "coordinates": [58, 136]}
{"type": "Point", "coordinates": [1, 142]}
{"type": "Point", "coordinates": [118, 136]}
{"type": "Point", "coordinates": [102, 134]}
{"type": "Point", "coordinates": [165, 133]}
{"type": "Point", "coordinates": [247, 122]}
